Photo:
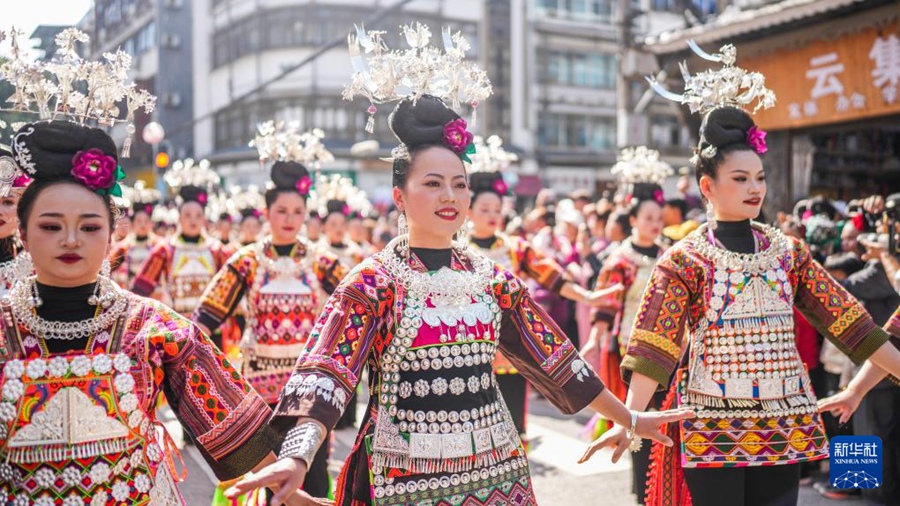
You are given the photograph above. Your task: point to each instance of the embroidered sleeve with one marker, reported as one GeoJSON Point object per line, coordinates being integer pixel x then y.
{"type": "Point", "coordinates": [545, 271]}
{"type": "Point", "coordinates": [227, 288]}
{"type": "Point", "coordinates": [540, 350]}
{"type": "Point", "coordinates": [354, 321]}
{"type": "Point", "coordinates": [117, 255]}
{"type": "Point", "coordinates": [154, 267]}
{"type": "Point", "coordinates": [893, 328]}
{"type": "Point", "coordinates": [836, 314]}
{"type": "Point", "coordinates": [658, 335]}
{"type": "Point", "coordinates": [612, 304]}
{"type": "Point", "coordinates": [330, 271]}
{"type": "Point", "coordinates": [211, 399]}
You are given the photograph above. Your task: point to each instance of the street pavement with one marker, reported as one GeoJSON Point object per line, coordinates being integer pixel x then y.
{"type": "Point", "coordinates": [555, 448]}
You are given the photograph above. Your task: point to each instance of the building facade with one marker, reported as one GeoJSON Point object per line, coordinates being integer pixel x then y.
{"type": "Point", "coordinates": [158, 35]}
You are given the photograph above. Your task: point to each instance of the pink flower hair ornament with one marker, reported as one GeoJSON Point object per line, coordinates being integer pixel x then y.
{"type": "Point", "coordinates": [756, 138]}
{"type": "Point", "coordinates": [304, 185]}
{"type": "Point", "coordinates": [202, 198]}
{"type": "Point", "coordinates": [501, 188]}
{"type": "Point", "coordinates": [458, 139]}
{"type": "Point", "coordinates": [98, 171]}
{"type": "Point", "coordinates": [21, 181]}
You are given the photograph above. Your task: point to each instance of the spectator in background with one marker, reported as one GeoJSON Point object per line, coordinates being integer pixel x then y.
{"type": "Point", "coordinates": [684, 185]}
{"type": "Point", "coordinates": [676, 224]}
{"type": "Point", "coordinates": [581, 198]}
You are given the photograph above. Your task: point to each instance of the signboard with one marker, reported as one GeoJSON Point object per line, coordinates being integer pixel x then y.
{"type": "Point", "coordinates": [832, 80]}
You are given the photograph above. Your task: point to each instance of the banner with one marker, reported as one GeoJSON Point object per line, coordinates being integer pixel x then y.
{"type": "Point", "coordinates": [846, 78]}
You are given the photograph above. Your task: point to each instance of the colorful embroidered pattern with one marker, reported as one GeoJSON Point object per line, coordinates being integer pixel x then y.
{"type": "Point", "coordinates": [357, 325]}
{"type": "Point", "coordinates": [162, 352]}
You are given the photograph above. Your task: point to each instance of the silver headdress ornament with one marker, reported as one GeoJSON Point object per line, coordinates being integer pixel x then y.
{"type": "Point", "coordinates": [72, 88]}
{"type": "Point", "coordinates": [338, 187]}
{"type": "Point", "coordinates": [383, 75]}
{"type": "Point", "coordinates": [490, 156]}
{"type": "Point", "coordinates": [710, 89]}
{"type": "Point", "coordinates": [141, 194]}
{"type": "Point", "coordinates": [246, 198]}
{"type": "Point", "coordinates": [284, 141]}
{"type": "Point", "coordinates": [189, 173]}
{"type": "Point", "coordinates": [641, 165]}
{"type": "Point", "coordinates": [727, 86]}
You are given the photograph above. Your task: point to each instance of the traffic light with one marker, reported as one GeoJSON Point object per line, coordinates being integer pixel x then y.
{"type": "Point", "coordinates": [161, 161]}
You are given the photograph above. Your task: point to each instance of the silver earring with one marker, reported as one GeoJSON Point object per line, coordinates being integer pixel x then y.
{"type": "Point", "coordinates": [35, 300]}
{"type": "Point", "coordinates": [711, 216]}
{"type": "Point", "coordinates": [402, 225]}
{"type": "Point", "coordinates": [98, 296]}
{"type": "Point", "coordinates": [462, 235]}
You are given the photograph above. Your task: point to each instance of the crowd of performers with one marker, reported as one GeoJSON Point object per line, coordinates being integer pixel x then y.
{"type": "Point", "coordinates": [448, 307]}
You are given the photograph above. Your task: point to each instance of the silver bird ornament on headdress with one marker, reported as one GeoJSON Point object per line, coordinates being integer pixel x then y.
{"type": "Point", "coordinates": [382, 75]}
{"type": "Point", "coordinates": [727, 86]}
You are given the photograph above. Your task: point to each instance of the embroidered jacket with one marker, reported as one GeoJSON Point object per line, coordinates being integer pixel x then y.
{"type": "Point", "coordinates": [632, 270]}
{"type": "Point", "coordinates": [283, 302]}
{"type": "Point", "coordinates": [743, 366]}
{"type": "Point", "coordinates": [127, 257]}
{"type": "Point", "coordinates": [371, 321]}
{"type": "Point", "coordinates": [182, 270]}
{"type": "Point", "coordinates": [350, 254]}
{"type": "Point", "coordinates": [60, 405]}
{"type": "Point", "coordinates": [517, 256]}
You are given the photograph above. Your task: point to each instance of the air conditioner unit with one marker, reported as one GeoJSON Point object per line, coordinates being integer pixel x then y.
{"type": "Point", "coordinates": [173, 4]}
{"type": "Point", "coordinates": [172, 100]}
{"type": "Point", "coordinates": [171, 41]}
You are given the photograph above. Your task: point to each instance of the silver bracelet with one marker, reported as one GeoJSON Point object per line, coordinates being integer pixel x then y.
{"type": "Point", "coordinates": [636, 441]}
{"type": "Point", "coordinates": [302, 442]}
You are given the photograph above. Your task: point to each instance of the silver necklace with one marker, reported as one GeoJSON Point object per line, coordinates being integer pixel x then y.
{"type": "Point", "coordinates": [756, 263]}
{"type": "Point", "coordinates": [25, 313]}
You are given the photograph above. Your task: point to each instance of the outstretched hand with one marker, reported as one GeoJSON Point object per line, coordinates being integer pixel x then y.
{"type": "Point", "coordinates": [647, 428]}
{"type": "Point", "coordinates": [286, 477]}
{"type": "Point", "coordinates": [596, 297]}
{"type": "Point", "coordinates": [841, 404]}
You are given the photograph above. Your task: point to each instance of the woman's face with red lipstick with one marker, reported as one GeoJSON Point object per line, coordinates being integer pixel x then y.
{"type": "Point", "coordinates": [436, 197]}
{"type": "Point", "coordinates": [739, 188]}
{"type": "Point", "coordinates": [67, 234]}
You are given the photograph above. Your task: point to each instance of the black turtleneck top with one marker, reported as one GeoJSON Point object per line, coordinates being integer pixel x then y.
{"type": "Point", "coordinates": [485, 243]}
{"type": "Point", "coordinates": [736, 236]}
{"type": "Point", "coordinates": [651, 251]}
{"type": "Point", "coordinates": [141, 238]}
{"type": "Point", "coordinates": [433, 259]}
{"type": "Point", "coordinates": [284, 249]}
{"type": "Point", "coordinates": [66, 305]}
{"type": "Point", "coordinates": [194, 239]}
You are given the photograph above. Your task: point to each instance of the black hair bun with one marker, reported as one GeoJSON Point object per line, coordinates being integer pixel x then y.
{"type": "Point", "coordinates": [249, 212]}
{"type": "Point", "coordinates": [481, 182]}
{"type": "Point", "coordinates": [336, 207]}
{"type": "Point", "coordinates": [194, 194]}
{"type": "Point", "coordinates": [725, 126]}
{"type": "Point", "coordinates": [285, 175]}
{"type": "Point", "coordinates": [420, 122]}
{"type": "Point", "coordinates": [49, 147]}
{"type": "Point", "coordinates": [646, 191]}
{"type": "Point", "coordinates": [142, 207]}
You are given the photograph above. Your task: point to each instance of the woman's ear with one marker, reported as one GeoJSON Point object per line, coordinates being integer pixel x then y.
{"type": "Point", "coordinates": [705, 185]}
{"type": "Point", "coordinates": [398, 199]}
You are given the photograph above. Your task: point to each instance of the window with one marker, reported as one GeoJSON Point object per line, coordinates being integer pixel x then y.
{"type": "Point", "coordinates": [313, 25]}
{"type": "Point", "coordinates": [665, 131]}
{"type": "Point", "coordinates": [590, 133]}
{"type": "Point", "coordinates": [579, 69]}
{"type": "Point", "coordinates": [577, 10]}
